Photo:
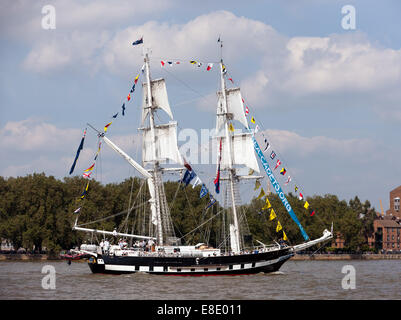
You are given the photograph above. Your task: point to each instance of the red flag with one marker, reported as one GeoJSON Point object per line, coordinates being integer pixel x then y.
{"type": "Point", "coordinates": [277, 164]}
{"type": "Point", "coordinates": [209, 66]}
{"type": "Point", "coordinates": [162, 63]}
{"type": "Point", "coordinates": [217, 180]}
{"type": "Point", "coordinates": [313, 212]}
{"type": "Point", "coordinates": [128, 97]}
{"type": "Point", "coordinates": [231, 79]}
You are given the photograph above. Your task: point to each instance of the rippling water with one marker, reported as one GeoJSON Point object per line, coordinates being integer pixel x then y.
{"type": "Point", "coordinates": [301, 280]}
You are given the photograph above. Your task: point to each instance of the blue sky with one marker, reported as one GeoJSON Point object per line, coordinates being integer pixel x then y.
{"type": "Point", "coordinates": [328, 98]}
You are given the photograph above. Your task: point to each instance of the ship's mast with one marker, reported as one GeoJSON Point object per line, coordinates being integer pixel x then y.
{"type": "Point", "coordinates": [231, 173]}
{"type": "Point", "coordinates": [156, 165]}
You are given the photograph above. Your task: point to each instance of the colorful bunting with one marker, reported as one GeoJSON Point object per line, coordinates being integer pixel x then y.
{"type": "Point", "coordinates": [300, 197]}
{"type": "Point", "coordinates": [253, 120]}
{"type": "Point", "coordinates": [231, 127]}
{"type": "Point", "coordinates": [296, 189]}
{"type": "Point", "coordinates": [284, 236]}
{"type": "Point", "coordinates": [283, 171]}
{"type": "Point", "coordinates": [279, 227]}
{"type": "Point", "coordinates": [209, 66]}
{"type": "Point", "coordinates": [115, 116]}
{"type": "Point", "coordinates": [257, 185]}
{"type": "Point", "coordinates": [77, 211]}
{"type": "Point", "coordinates": [123, 108]}
{"type": "Point", "coordinates": [288, 180]}
{"type": "Point", "coordinates": [312, 213]}
{"type": "Point", "coordinates": [272, 155]}
{"type": "Point", "coordinates": [306, 205]}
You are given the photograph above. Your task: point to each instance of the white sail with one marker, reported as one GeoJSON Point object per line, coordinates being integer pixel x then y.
{"type": "Point", "coordinates": [165, 145]}
{"type": "Point", "coordinates": [159, 98]}
{"type": "Point", "coordinates": [233, 240]}
{"type": "Point", "coordinates": [242, 152]}
{"type": "Point", "coordinates": [235, 107]}
{"type": "Point", "coordinates": [152, 201]}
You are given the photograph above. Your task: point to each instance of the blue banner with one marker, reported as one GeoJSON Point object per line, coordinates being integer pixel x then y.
{"type": "Point", "coordinates": [277, 187]}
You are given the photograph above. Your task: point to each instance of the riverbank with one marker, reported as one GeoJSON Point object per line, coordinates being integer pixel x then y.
{"type": "Point", "coordinates": [28, 257]}
{"type": "Point", "coordinates": [363, 256]}
{"type": "Point", "coordinates": [298, 257]}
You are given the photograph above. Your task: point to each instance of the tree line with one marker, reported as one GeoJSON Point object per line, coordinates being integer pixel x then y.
{"type": "Point", "coordinates": [37, 211]}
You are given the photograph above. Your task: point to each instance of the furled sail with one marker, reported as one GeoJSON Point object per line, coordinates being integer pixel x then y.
{"type": "Point", "coordinates": [165, 145]}
{"type": "Point", "coordinates": [152, 201]}
{"type": "Point", "coordinates": [235, 107]}
{"type": "Point", "coordinates": [159, 98]}
{"type": "Point", "coordinates": [233, 240]}
{"type": "Point", "coordinates": [242, 152]}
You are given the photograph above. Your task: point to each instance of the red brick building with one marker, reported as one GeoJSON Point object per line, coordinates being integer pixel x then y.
{"type": "Point", "coordinates": [387, 234]}
{"type": "Point", "coordinates": [395, 196]}
{"type": "Point", "coordinates": [387, 228]}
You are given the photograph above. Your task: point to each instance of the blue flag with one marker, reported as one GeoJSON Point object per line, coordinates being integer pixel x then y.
{"type": "Point", "coordinates": [203, 191]}
{"type": "Point", "coordinates": [137, 42]}
{"type": "Point", "coordinates": [81, 146]}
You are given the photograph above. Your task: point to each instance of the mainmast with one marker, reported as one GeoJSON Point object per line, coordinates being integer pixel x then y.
{"type": "Point", "coordinates": [236, 243]}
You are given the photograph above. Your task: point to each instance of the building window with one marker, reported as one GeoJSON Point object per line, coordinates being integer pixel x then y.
{"type": "Point", "coordinates": [397, 204]}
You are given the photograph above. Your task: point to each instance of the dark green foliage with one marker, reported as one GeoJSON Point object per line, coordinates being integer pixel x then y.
{"type": "Point", "coordinates": [37, 211]}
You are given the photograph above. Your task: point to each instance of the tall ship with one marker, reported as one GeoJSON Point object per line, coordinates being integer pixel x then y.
{"type": "Point", "coordinates": [155, 248]}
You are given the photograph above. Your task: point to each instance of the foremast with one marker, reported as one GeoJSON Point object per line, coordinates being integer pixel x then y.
{"type": "Point", "coordinates": [159, 144]}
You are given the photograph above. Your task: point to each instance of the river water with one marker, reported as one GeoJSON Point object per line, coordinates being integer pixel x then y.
{"type": "Point", "coordinates": [299, 280]}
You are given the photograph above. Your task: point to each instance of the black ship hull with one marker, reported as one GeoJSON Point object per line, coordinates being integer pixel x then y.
{"type": "Point", "coordinates": [192, 266]}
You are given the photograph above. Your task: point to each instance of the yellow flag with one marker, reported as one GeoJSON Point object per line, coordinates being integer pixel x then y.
{"type": "Point", "coordinates": [231, 127]}
{"type": "Point", "coordinates": [257, 185]}
{"type": "Point", "coordinates": [306, 205]}
{"type": "Point", "coordinates": [261, 194]}
{"type": "Point", "coordinates": [279, 227]}
{"type": "Point", "coordinates": [272, 214]}
{"type": "Point", "coordinates": [268, 203]}
{"type": "Point", "coordinates": [266, 206]}
{"type": "Point", "coordinates": [253, 120]}
{"type": "Point", "coordinates": [284, 236]}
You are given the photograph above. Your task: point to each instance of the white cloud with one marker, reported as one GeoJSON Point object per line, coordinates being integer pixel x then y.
{"type": "Point", "coordinates": [288, 141]}
{"type": "Point", "coordinates": [31, 134]}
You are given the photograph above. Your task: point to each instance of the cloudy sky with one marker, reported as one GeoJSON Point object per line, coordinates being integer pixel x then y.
{"type": "Point", "coordinates": [328, 98]}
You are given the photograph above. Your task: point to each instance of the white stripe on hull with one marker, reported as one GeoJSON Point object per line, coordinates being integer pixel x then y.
{"type": "Point", "coordinates": [128, 268]}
